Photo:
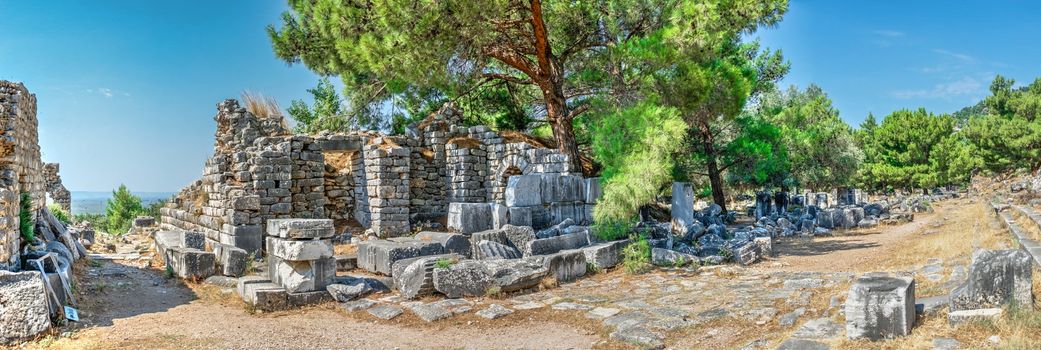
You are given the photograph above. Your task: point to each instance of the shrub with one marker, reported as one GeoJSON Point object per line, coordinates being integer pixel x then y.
{"type": "Point", "coordinates": [636, 147]}
{"type": "Point", "coordinates": [25, 217]}
{"type": "Point", "coordinates": [59, 213]}
{"type": "Point", "coordinates": [610, 230]}
{"type": "Point", "coordinates": [98, 221]}
{"type": "Point", "coordinates": [443, 263]}
{"type": "Point", "coordinates": [636, 257]}
{"type": "Point", "coordinates": [121, 210]}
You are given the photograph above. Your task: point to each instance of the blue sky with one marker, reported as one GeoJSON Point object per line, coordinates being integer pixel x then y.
{"type": "Point", "coordinates": [881, 56]}
{"type": "Point", "coordinates": [127, 89]}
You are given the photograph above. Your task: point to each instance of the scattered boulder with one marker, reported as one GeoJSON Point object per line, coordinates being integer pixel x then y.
{"type": "Point", "coordinates": [995, 277]}
{"type": "Point", "coordinates": [450, 242]}
{"type": "Point", "coordinates": [666, 257]}
{"type": "Point", "coordinates": [880, 307]}
{"type": "Point", "coordinates": [464, 278]}
{"type": "Point", "coordinates": [24, 310]}
{"type": "Point", "coordinates": [489, 250]}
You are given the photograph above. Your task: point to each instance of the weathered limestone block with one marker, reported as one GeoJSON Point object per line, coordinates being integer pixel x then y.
{"type": "Point", "coordinates": [263, 295]}
{"type": "Point", "coordinates": [465, 278]}
{"type": "Point", "coordinates": [144, 221]}
{"type": "Point", "coordinates": [682, 206]}
{"type": "Point", "coordinates": [190, 262]}
{"type": "Point", "coordinates": [995, 277]}
{"type": "Point", "coordinates": [232, 260]}
{"type": "Point", "coordinates": [299, 250]}
{"type": "Point", "coordinates": [500, 215]}
{"type": "Point", "coordinates": [668, 257]}
{"type": "Point", "coordinates": [555, 244]}
{"type": "Point", "coordinates": [765, 246]}
{"type": "Point", "coordinates": [746, 254]}
{"type": "Point", "coordinates": [302, 276]}
{"type": "Point", "coordinates": [497, 236]}
{"type": "Point", "coordinates": [23, 306]}
{"type": "Point", "coordinates": [961, 316]}
{"type": "Point", "coordinates": [191, 239]}
{"type": "Point", "coordinates": [591, 191]}
{"type": "Point", "coordinates": [605, 255]}
{"type": "Point", "coordinates": [379, 255]}
{"type": "Point", "coordinates": [247, 237]}
{"type": "Point", "coordinates": [880, 307]}
{"type": "Point", "coordinates": [489, 250]}
{"type": "Point", "coordinates": [416, 278]}
{"type": "Point", "coordinates": [520, 216]}
{"type": "Point", "coordinates": [516, 274]}
{"type": "Point", "coordinates": [518, 236]}
{"type": "Point", "coordinates": [450, 242]}
{"type": "Point", "coordinates": [524, 191]}
{"type": "Point", "coordinates": [300, 228]}
{"type": "Point", "coordinates": [467, 218]}
{"type": "Point", "coordinates": [565, 266]}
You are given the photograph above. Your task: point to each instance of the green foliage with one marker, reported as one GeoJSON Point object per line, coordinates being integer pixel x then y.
{"type": "Point", "coordinates": [397, 58]}
{"type": "Point", "coordinates": [325, 113]}
{"type": "Point", "coordinates": [612, 230]}
{"type": "Point", "coordinates": [915, 149]}
{"type": "Point", "coordinates": [25, 217]}
{"type": "Point", "coordinates": [822, 151]}
{"type": "Point", "coordinates": [758, 154]}
{"type": "Point", "coordinates": [1009, 136]}
{"type": "Point", "coordinates": [121, 210]}
{"type": "Point", "coordinates": [59, 213]}
{"type": "Point", "coordinates": [443, 263]}
{"type": "Point", "coordinates": [98, 221]}
{"type": "Point", "coordinates": [636, 257]}
{"type": "Point", "coordinates": [635, 146]}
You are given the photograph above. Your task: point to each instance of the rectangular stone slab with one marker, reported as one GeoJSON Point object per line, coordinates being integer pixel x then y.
{"type": "Point", "coordinates": [298, 249]}
{"type": "Point", "coordinates": [880, 307]}
{"type": "Point", "coordinates": [555, 244]}
{"type": "Point", "coordinates": [300, 228]}
{"type": "Point", "coordinates": [379, 255]}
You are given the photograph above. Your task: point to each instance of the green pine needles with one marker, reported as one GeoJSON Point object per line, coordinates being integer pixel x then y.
{"type": "Point", "coordinates": [25, 217]}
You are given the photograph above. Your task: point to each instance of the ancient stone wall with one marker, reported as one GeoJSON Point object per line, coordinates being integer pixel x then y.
{"type": "Point", "coordinates": [259, 172]}
{"type": "Point", "coordinates": [57, 191]}
{"type": "Point", "coordinates": [21, 169]}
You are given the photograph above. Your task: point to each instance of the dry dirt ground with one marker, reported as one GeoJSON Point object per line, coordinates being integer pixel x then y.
{"type": "Point", "coordinates": [128, 305]}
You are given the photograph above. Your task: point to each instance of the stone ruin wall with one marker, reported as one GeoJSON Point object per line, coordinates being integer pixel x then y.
{"type": "Point", "coordinates": [21, 169]}
{"type": "Point", "coordinates": [386, 183]}
{"type": "Point", "coordinates": [55, 189]}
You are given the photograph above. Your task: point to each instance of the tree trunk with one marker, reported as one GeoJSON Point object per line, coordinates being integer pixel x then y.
{"type": "Point", "coordinates": [715, 176]}
{"type": "Point", "coordinates": [716, 179]}
{"type": "Point", "coordinates": [560, 120]}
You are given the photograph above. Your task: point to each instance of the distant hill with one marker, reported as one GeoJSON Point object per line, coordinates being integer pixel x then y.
{"type": "Point", "coordinates": [962, 115]}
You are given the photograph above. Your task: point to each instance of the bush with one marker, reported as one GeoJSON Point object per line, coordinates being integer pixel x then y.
{"type": "Point", "coordinates": [25, 217]}
{"type": "Point", "coordinates": [97, 221]}
{"type": "Point", "coordinates": [610, 230]}
{"type": "Point", "coordinates": [636, 257]}
{"type": "Point", "coordinates": [121, 210]}
{"type": "Point", "coordinates": [636, 147]}
{"type": "Point", "coordinates": [59, 213]}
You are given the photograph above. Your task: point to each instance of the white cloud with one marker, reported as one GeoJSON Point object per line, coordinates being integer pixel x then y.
{"type": "Point", "coordinates": [108, 92]}
{"type": "Point", "coordinates": [890, 33]}
{"type": "Point", "coordinates": [966, 86]}
{"type": "Point", "coordinates": [956, 55]}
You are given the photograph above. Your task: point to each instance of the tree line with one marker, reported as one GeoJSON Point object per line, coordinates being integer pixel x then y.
{"type": "Point", "coordinates": [654, 91]}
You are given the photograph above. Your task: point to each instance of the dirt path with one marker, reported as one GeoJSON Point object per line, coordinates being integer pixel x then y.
{"type": "Point", "coordinates": [849, 253]}
{"type": "Point", "coordinates": [134, 307]}
{"type": "Point", "coordinates": [130, 306]}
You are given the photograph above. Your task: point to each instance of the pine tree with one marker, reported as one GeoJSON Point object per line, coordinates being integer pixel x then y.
{"type": "Point", "coordinates": [121, 210]}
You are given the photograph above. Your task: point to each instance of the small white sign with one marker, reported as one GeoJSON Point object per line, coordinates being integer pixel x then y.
{"type": "Point", "coordinates": [72, 314]}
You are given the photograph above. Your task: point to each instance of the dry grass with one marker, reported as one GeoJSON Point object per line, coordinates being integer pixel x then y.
{"type": "Point", "coordinates": [341, 161]}
{"type": "Point", "coordinates": [962, 228]}
{"type": "Point", "coordinates": [345, 249]}
{"type": "Point", "coordinates": [968, 226]}
{"type": "Point", "coordinates": [260, 105]}
{"type": "Point", "coordinates": [464, 142]}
